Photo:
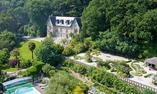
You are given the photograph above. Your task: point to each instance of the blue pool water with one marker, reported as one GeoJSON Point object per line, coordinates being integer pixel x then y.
{"type": "Point", "coordinates": [26, 90]}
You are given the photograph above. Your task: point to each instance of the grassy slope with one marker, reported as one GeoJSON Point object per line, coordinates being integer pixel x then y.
{"type": "Point", "coordinates": [24, 50]}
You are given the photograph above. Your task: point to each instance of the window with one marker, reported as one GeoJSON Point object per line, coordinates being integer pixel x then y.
{"type": "Point", "coordinates": [56, 32]}
{"type": "Point", "coordinates": [62, 21]}
{"type": "Point", "coordinates": [67, 22]}
{"type": "Point", "coordinates": [66, 31]}
{"type": "Point", "coordinates": [57, 21]}
{"type": "Point", "coordinates": [49, 27]}
{"type": "Point", "coordinates": [61, 32]}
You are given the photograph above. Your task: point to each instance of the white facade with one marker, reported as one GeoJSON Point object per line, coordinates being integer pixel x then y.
{"type": "Point", "coordinates": [61, 27]}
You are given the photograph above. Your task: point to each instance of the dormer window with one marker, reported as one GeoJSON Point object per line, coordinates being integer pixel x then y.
{"type": "Point", "coordinates": [57, 21]}
{"type": "Point", "coordinates": [62, 21]}
{"type": "Point", "coordinates": [67, 22]}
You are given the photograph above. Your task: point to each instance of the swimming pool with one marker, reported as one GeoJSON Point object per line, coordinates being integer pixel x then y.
{"type": "Point", "coordinates": [26, 90]}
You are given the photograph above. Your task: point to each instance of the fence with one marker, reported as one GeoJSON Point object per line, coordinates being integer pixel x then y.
{"type": "Point", "coordinates": [141, 86]}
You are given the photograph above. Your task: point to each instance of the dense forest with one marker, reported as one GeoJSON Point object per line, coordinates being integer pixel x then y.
{"type": "Point", "coordinates": [28, 17]}
{"type": "Point", "coordinates": [124, 27]}
{"type": "Point", "coordinates": [127, 27]}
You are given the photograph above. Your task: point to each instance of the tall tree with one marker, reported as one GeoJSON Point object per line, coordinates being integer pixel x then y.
{"type": "Point", "coordinates": [47, 53]}
{"type": "Point", "coordinates": [31, 47]}
{"type": "Point", "coordinates": [38, 12]}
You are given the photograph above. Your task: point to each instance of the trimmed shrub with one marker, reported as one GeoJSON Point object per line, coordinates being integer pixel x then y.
{"type": "Point", "coordinates": [148, 75]}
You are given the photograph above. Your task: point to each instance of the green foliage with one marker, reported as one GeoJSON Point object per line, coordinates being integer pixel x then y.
{"type": "Point", "coordinates": [102, 63]}
{"type": "Point", "coordinates": [24, 63]}
{"type": "Point", "coordinates": [15, 53]}
{"type": "Point", "coordinates": [78, 90]}
{"type": "Point", "coordinates": [122, 27]}
{"type": "Point", "coordinates": [148, 91]}
{"type": "Point", "coordinates": [154, 79]}
{"type": "Point", "coordinates": [25, 52]}
{"type": "Point", "coordinates": [88, 56]}
{"type": "Point", "coordinates": [4, 56]}
{"type": "Point", "coordinates": [148, 75]}
{"type": "Point", "coordinates": [31, 47]}
{"type": "Point", "coordinates": [52, 72]}
{"type": "Point", "coordinates": [68, 7]}
{"type": "Point", "coordinates": [47, 68]}
{"type": "Point", "coordinates": [110, 80]}
{"type": "Point", "coordinates": [60, 84]}
{"type": "Point", "coordinates": [139, 71]}
{"type": "Point", "coordinates": [59, 48]}
{"type": "Point", "coordinates": [79, 47]}
{"type": "Point", "coordinates": [122, 68]}
{"type": "Point", "coordinates": [7, 40]}
{"type": "Point", "coordinates": [47, 53]}
{"type": "Point", "coordinates": [68, 63]}
{"type": "Point", "coordinates": [38, 12]}
{"type": "Point", "coordinates": [79, 68]}
{"type": "Point", "coordinates": [38, 65]}
{"type": "Point", "coordinates": [32, 71]}
{"type": "Point", "coordinates": [2, 75]}
{"type": "Point", "coordinates": [68, 51]}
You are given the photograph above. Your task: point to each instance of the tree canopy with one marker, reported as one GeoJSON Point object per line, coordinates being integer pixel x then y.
{"type": "Point", "coordinates": [121, 26]}
{"type": "Point", "coordinates": [47, 53]}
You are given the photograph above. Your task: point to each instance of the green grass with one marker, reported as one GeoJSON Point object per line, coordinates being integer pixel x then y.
{"type": "Point", "coordinates": [24, 50]}
{"type": "Point", "coordinates": [62, 72]}
{"type": "Point", "coordinates": [11, 70]}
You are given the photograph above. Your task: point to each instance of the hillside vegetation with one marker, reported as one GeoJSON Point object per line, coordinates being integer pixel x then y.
{"type": "Point", "coordinates": [127, 27]}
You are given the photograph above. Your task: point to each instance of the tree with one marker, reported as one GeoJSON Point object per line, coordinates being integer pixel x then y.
{"type": "Point", "coordinates": [38, 12]}
{"type": "Point", "coordinates": [2, 75]}
{"type": "Point", "coordinates": [31, 47]}
{"type": "Point", "coordinates": [15, 53]}
{"type": "Point", "coordinates": [4, 56]}
{"type": "Point", "coordinates": [60, 84]}
{"type": "Point", "coordinates": [47, 68]}
{"type": "Point", "coordinates": [47, 53]}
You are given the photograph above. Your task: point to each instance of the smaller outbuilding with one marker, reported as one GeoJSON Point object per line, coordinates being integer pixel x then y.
{"type": "Point", "coordinates": [151, 62]}
{"type": "Point", "coordinates": [94, 90]}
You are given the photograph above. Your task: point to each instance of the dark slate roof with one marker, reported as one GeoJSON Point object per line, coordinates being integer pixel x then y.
{"type": "Point", "coordinates": [78, 19]}
{"type": "Point", "coordinates": [53, 19]}
{"type": "Point", "coordinates": [152, 60]}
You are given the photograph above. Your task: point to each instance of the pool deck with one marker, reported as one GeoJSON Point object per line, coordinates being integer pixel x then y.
{"type": "Point", "coordinates": [39, 88]}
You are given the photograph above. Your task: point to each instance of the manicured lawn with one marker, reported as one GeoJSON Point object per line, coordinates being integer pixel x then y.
{"type": "Point", "coordinates": [24, 50]}
{"type": "Point", "coordinates": [11, 70]}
